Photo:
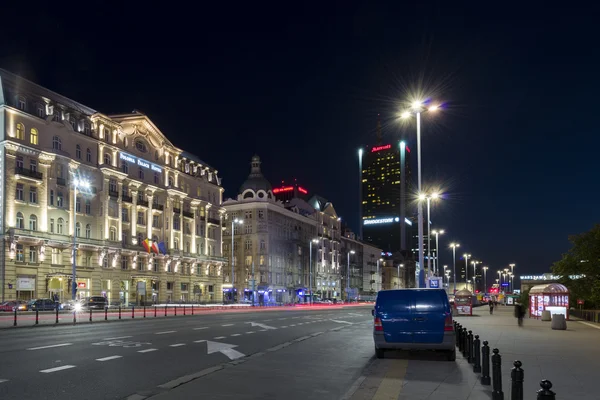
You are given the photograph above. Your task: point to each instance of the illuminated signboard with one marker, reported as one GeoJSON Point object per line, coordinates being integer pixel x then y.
{"type": "Point", "coordinates": [139, 161]}
{"type": "Point", "coordinates": [379, 148]}
{"type": "Point", "coordinates": [547, 277]}
{"type": "Point", "coordinates": [380, 221]}
{"type": "Point", "coordinates": [289, 189]}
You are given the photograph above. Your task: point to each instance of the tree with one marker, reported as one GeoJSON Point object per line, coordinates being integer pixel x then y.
{"type": "Point", "coordinates": [582, 259]}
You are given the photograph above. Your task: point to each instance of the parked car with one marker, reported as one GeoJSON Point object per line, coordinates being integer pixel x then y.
{"type": "Point", "coordinates": [413, 319]}
{"type": "Point", "coordinates": [69, 305]}
{"type": "Point", "coordinates": [11, 305]}
{"type": "Point", "coordinates": [94, 303]}
{"type": "Point", "coordinates": [41, 305]}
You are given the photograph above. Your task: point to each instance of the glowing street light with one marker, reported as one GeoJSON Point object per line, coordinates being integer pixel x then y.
{"type": "Point", "coordinates": [436, 259]}
{"type": "Point", "coordinates": [485, 279]}
{"type": "Point", "coordinates": [466, 256]}
{"type": "Point", "coordinates": [428, 197]}
{"type": "Point", "coordinates": [454, 246]}
{"type": "Point", "coordinates": [417, 109]}
{"type": "Point", "coordinates": [348, 276]}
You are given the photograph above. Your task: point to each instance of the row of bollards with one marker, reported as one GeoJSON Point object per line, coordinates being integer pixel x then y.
{"type": "Point", "coordinates": [479, 355]}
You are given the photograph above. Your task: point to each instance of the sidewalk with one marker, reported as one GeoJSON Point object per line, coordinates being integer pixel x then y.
{"type": "Point", "coordinates": [569, 359]}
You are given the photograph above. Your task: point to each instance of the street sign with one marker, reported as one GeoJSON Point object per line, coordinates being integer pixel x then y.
{"type": "Point", "coordinates": [580, 301]}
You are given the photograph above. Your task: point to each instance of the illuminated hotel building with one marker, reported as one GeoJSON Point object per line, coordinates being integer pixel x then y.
{"type": "Point", "coordinates": [385, 183]}
{"type": "Point", "coordinates": [138, 186]}
{"type": "Point", "coordinates": [286, 193]}
{"type": "Point", "coordinates": [271, 246]}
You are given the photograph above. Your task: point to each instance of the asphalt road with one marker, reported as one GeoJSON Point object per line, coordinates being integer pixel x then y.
{"type": "Point", "coordinates": [144, 358]}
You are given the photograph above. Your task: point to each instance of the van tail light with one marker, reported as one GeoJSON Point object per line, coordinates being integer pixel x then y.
{"type": "Point", "coordinates": [448, 326]}
{"type": "Point", "coordinates": [378, 326]}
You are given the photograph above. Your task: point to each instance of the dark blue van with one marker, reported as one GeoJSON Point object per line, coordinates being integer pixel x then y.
{"type": "Point", "coordinates": [413, 319]}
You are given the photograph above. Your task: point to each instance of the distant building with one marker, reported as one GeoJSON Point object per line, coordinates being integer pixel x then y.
{"type": "Point", "coordinates": [365, 269]}
{"type": "Point", "coordinates": [385, 189]}
{"type": "Point", "coordinates": [286, 193]}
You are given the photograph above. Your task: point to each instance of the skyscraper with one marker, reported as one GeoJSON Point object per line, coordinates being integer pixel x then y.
{"type": "Point", "coordinates": [385, 185]}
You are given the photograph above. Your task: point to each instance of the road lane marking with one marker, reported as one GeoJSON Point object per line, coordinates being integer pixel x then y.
{"type": "Point", "coordinates": [3, 380]}
{"type": "Point", "coordinates": [342, 322]}
{"type": "Point", "coordinates": [147, 350]}
{"type": "Point", "coordinates": [227, 325]}
{"type": "Point", "coordinates": [588, 324]}
{"type": "Point", "coordinates": [177, 345]}
{"type": "Point", "coordinates": [281, 319]}
{"type": "Point", "coordinates": [56, 369]}
{"type": "Point", "coordinates": [115, 338]}
{"type": "Point", "coordinates": [249, 332]}
{"type": "Point", "coordinates": [263, 330]}
{"type": "Point", "coordinates": [50, 346]}
{"type": "Point", "coordinates": [392, 383]}
{"type": "Point", "coordinates": [220, 337]}
{"type": "Point", "coordinates": [292, 324]}
{"type": "Point", "coordinates": [199, 329]}
{"type": "Point", "coordinates": [108, 358]}
{"type": "Point", "coordinates": [236, 334]}
{"type": "Point", "coordinates": [283, 327]}
{"type": "Point", "coordinates": [253, 324]}
{"type": "Point", "coordinates": [268, 320]}
{"type": "Point", "coordinates": [164, 333]}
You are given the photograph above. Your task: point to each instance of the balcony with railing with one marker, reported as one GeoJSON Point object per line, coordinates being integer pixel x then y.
{"type": "Point", "coordinates": [157, 206]}
{"type": "Point", "coordinates": [142, 203]}
{"type": "Point", "coordinates": [215, 221]}
{"type": "Point", "coordinates": [188, 214]}
{"type": "Point", "coordinates": [61, 181]}
{"type": "Point", "coordinates": [127, 199]}
{"type": "Point", "coordinates": [113, 193]}
{"type": "Point", "coordinates": [28, 173]}
{"type": "Point", "coordinates": [177, 210]}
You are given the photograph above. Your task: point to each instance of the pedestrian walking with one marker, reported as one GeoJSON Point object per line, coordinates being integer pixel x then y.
{"type": "Point", "coordinates": [491, 304]}
{"type": "Point", "coordinates": [519, 313]}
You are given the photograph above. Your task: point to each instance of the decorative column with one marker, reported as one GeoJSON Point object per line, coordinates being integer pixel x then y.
{"type": "Point", "coordinates": [181, 225]}
{"type": "Point", "coordinates": [206, 208]}
{"type": "Point", "coordinates": [46, 163]}
{"type": "Point", "coordinates": [149, 217]}
{"type": "Point", "coordinates": [169, 211]}
{"type": "Point", "coordinates": [133, 220]}
{"type": "Point", "coordinates": [194, 209]}
{"type": "Point", "coordinates": [120, 208]}
{"type": "Point", "coordinates": [105, 201]}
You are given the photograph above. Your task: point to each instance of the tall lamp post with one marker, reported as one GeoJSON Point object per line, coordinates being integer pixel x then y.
{"type": "Point", "coordinates": [485, 279]}
{"type": "Point", "coordinates": [505, 274]}
{"type": "Point", "coordinates": [77, 183]}
{"type": "Point", "coordinates": [475, 273]}
{"type": "Point", "coordinates": [417, 107]}
{"type": "Point", "coordinates": [436, 259]}
{"type": "Point", "coordinates": [315, 241]}
{"type": "Point", "coordinates": [466, 256]}
{"type": "Point", "coordinates": [233, 222]}
{"type": "Point", "coordinates": [399, 265]}
{"type": "Point", "coordinates": [454, 246]}
{"type": "Point", "coordinates": [348, 276]}
{"type": "Point", "coordinates": [429, 197]}
{"type": "Point", "coordinates": [377, 276]}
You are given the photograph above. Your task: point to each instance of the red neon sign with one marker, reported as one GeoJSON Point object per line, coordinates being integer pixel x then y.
{"type": "Point", "coordinates": [283, 189]}
{"type": "Point", "coordinates": [407, 149]}
{"type": "Point", "coordinates": [81, 285]}
{"type": "Point", "coordinates": [302, 190]}
{"type": "Point", "coordinates": [379, 148]}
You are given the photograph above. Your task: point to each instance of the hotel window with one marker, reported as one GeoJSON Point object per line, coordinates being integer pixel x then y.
{"type": "Point", "coordinates": [107, 159]}
{"type": "Point", "coordinates": [261, 214]}
{"type": "Point", "coordinates": [56, 143]}
{"type": "Point", "coordinates": [155, 221]}
{"type": "Point", "coordinates": [59, 199]}
{"type": "Point", "coordinates": [33, 195]}
{"type": "Point", "coordinates": [248, 228]}
{"type": "Point", "coordinates": [176, 224]}
{"type": "Point", "coordinates": [113, 234]}
{"type": "Point", "coordinates": [141, 173]}
{"type": "Point", "coordinates": [33, 165]}
{"type": "Point", "coordinates": [125, 214]}
{"type": "Point", "coordinates": [88, 206]}
{"type": "Point", "coordinates": [40, 111]}
{"type": "Point", "coordinates": [176, 244]}
{"type": "Point", "coordinates": [156, 178]}
{"type": "Point", "coordinates": [88, 231]}
{"type": "Point", "coordinates": [88, 155]}
{"type": "Point", "coordinates": [33, 254]}
{"type": "Point", "coordinates": [263, 245]}
{"type": "Point", "coordinates": [51, 225]}
{"type": "Point", "coordinates": [248, 214]}
{"type": "Point", "coordinates": [124, 262]}
{"type": "Point", "coordinates": [20, 222]}
{"type": "Point", "coordinates": [22, 103]}
{"type": "Point", "coordinates": [78, 229]}
{"type": "Point", "coordinates": [248, 244]}
{"type": "Point", "coordinates": [32, 223]}
{"type": "Point", "coordinates": [56, 116]}
{"type": "Point", "coordinates": [87, 129]}
{"type": "Point", "coordinates": [78, 204]}
{"type": "Point", "coordinates": [78, 152]}
{"type": "Point", "coordinates": [33, 136]}
{"type": "Point", "coordinates": [140, 218]}
{"type": "Point", "coordinates": [124, 167]}
{"type": "Point", "coordinates": [20, 256]}
{"type": "Point", "coordinates": [19, 192]}
{"type": "Point", "coordinates": [19, 162]}
{"type": "Point", "coordinates": [20, 131]}
{"type": "Point", "coordinates": [112, 186]}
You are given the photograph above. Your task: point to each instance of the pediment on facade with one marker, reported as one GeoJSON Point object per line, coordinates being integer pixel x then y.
{"type": "Point", "coordinates": [140, 126]}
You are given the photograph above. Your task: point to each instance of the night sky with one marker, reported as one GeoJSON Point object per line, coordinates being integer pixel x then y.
{"type": "Point", "coordinates": [301, 85]}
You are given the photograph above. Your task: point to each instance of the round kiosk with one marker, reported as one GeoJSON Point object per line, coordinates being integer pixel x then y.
{"type": "Point", "coordinates": [552, 297]}
{"type": "Point", "coordinates": [463, 302]}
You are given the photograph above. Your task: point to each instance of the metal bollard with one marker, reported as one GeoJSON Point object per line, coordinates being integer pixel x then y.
{"type": "Point", "coordinates": [15, 320]}
{"type": "Point", "coordinates": [175, 308]}
{"type": "Point", "coordinates": [497, 393]}
{"type": "Point", "coordinates": [74, 316]}
{"type": "Point", "coordinates": [457, 333]}
{"type": "Point", "coordinates": [119, 312]}
{"type": "Point", "coordinates": [516, 381]}
{"type": "Point", "coordinates": [464, 342]}
{"type": "Point", "coordinates": [144, 311]}
{"type": "Point", "coordinates": [37, 316]}
{"type": "Point", "coordinates": [184, 309]}
{"type": "Point", "coordinates": [155, 311]}
{"type": "Point", "coordinates": [470, 348]}
{"type": "Point", "coordinates": [485, 367]}
{"type": "Point", "coordinates": [460, 338]}
{"type": "Point", "coordinates": [90, 315]}
{"type": "Point", "coordinates": [545, 393]}
{"type": "Point", "coordinates": [106, 314]}
{"type": "Point", "coordinates": [476, 355]}
{"type": "Point", "coordinates": [132, 312]}
{"type": "Point", "coordinates": [165, 311]}
{"type": "Point", "coordinates": [192, 309]}
{"type": "Point", "coordinates": [56, 315]}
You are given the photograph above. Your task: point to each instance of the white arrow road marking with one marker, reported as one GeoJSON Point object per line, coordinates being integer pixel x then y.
{"type": "Point", "coordinates": [341, 322]}
{"type": "Point", "coordinates": [47, 371]}
{"type": "Point", "coordinates": [225, 348]}
{"type": "Point", "coordinates": [253, 324]}
{"type": "Point", "coordinates": [49, 347]}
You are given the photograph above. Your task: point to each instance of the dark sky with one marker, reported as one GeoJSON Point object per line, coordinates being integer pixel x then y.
{"type": "Point", "coordinates": [301, 84]}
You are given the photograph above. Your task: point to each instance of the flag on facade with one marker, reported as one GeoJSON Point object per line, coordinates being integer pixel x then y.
{"type": "Point", "coordinates": [147, 245]}
{"type": "Point", "coordinates": [162, 248]}
{"type": "Point", "coordinates": [154, 247]}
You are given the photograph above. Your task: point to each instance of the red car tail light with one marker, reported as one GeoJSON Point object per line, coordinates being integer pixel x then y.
{"type": "Point", "coordinates": [448, 326]}
{"type": "Point", "coordinates": [378, 326]}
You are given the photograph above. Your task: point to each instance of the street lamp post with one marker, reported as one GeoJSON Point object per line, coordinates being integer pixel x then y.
{"type": "Point", "coordinates": [417, 108]}
{"type": "Point", "coordinates": [474, 273]}
{"type": "Point", "coordinates": [466, 268]}
{"type": "Point", "coordinates": [233, 222]}
{"type": "Point", "coordinates": [485, 280]}
{"type": "Point", "coordinates": [77, 183]}
{"type": "Point", "coordinates": [348, 276]}
{"type": "Point", "coordinates": [454, 246]}
{"type": "Point", "coordinates": [436, 259]}
{"type": "Point", "coordinates": [399, 265]}
{"type": "Point", "coordinates": [310, 270]}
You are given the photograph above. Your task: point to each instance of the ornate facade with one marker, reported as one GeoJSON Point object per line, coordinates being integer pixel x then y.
{"type": "Point", "coordinates": [112, 182]}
